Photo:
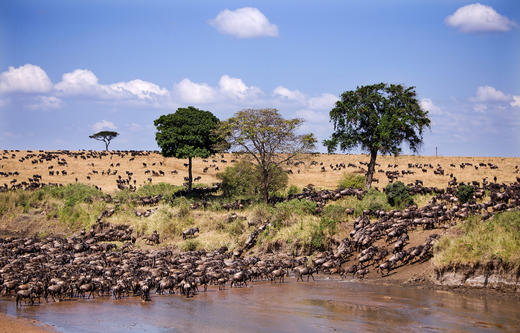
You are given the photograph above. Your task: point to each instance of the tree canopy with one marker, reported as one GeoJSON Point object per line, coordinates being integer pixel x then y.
{"type": "Point", "coordinates": [378, 118]}
{"type": "Point", "coordinates": [267, 138]}
{"type": "Point", "coordinates": [187, 133]}
{"type": "Point", "coordinates": [105, 136]}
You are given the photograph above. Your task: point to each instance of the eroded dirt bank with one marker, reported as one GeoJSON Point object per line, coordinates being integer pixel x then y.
{"type": "Point", "coordinates": [492, 275]}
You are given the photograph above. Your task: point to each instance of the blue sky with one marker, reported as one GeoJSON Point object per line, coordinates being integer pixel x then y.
{"type": "Point", "coordinates": [69, 68]}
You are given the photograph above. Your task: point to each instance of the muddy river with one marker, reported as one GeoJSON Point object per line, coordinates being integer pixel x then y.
{"type": "Point", "coordinates": [320, 306]}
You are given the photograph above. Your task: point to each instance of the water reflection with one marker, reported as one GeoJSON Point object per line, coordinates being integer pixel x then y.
{"type": "Point", "coordinates": [291, 307]}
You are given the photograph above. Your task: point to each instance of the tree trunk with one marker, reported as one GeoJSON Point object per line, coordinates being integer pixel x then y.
{"type": "Point", "coordinates": [190, 176]}
{"type": "Point", "coordinates": [265, 183]}
{"type": "Point", "coordinates": [106, 145]}
{"type": "Point", "coordinates": [371, 168]}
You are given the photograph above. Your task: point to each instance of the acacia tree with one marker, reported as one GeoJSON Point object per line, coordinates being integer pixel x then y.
{"type": "Point", "coordinates": [268, 139]}
{"type": "Point", "coordinates": [105, 136]}
{"type": "Point", "coordinates": [378, 118]}
{"type": "Point", "coordinates": [187, 133]}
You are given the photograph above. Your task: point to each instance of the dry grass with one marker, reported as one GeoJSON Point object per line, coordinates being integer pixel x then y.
{"type": "Point", "coordinates": [476, 241]}
{"type": "Point", "coordinates": [80, 169]}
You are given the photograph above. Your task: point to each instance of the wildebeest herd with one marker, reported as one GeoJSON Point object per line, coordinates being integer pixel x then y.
{"type": "Point", "coordinates": [117, 170]}
{"type": "Point", "coordinates": [89, 265]}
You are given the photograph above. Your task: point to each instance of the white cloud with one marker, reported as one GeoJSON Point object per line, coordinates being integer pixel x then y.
{"type": "Point", "coordinates": [46, 103]}
{"type": "Point", "coordinates": [428, 105]}
{"type": "Point", "coordinates": [292, 95]}
{"type": "Point", "coordinates": [244, 22]}
{"type": "Point", "coordinates": [236, 88]}
{"type": "Point", "coordinates": [79, 82]}
{"type": "Point", "coordinates": [490, 94]}
{"type": "Point", "coordinates": [325, 101]}
{"type": "Point", "coordinates": [479, 18]}
{"type": "Point", "coordinates": [27, 79]}
{"type": "Point", "coordinates": [103, 125]}
{"type": "Point", "coordinates": [192, 92]}
{"type": "Point", "coordinates": [479, 107]}
{"type": "Point", "coordinates": [516, 102]}
{"type": "Point", "coordinates": [139, 89]}
{"type": "Point", "coordinates": [83, 82]}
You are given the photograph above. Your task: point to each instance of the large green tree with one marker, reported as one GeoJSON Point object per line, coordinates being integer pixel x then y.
{"type": "Point", "coordinates": [105, 136]}
{"type": "Point", "coordinates": [268, 139]}
{"type": "Point", "coordinates": [378, 118]}
{"type": "Point", "coordinates": [187, 133]}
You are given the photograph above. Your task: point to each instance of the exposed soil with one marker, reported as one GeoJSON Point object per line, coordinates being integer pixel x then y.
{"type": "Point", "coordinates": [9, 324]}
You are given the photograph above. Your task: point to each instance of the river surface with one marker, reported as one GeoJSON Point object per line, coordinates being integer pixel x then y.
{"type": "Point", "coordinates": [320, 306]}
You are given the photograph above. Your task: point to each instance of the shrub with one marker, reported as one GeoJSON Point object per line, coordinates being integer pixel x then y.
{"type": "Point", "coordinates": [73, 193]}
{"type": "Point", "coordinates": [238, 180]}
{"type": "Point", "coordinates": [293, 189]}
{"type": "Point", "coordinates": [398, 194]}
{"type": "Point", "coordinates": [244, 180]}
{"type": "Point", "coordinates": [335, 213]}
{"type": "Point", "coordinates": [352, 180]}
{"type": "Point", "coordinates": [164, 189]}
{"type": "Point", "coordinates": [465, 193]}
{"type": "Point", "coordinates": [297, 206]}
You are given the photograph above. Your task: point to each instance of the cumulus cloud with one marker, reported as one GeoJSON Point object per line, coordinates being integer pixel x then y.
{"type": "Point", "coordinates": [291, 95]}
{"type": "Point", "coordinates": [515, 102]}
{"type": "Point", "coordinates": [137, 88]}
{"type": "Point", "coordinates": [244, 22]}
{"type": "Point", "coordinates": [325, 101]}
{"type": "Point", "coordinates": [26, 79]}
{"type": "Point", "coordinates": [192, 92]}
{"type": "Point", "coordinates": [236, 88]}
{"type": "Point", "coordinates": [83, 82]}
{"type": "Point", "coordinates": [46, 103]}
{"type": "Point", "coordinates": [428, 105]}
{"type": "Point", "coordinates": [79, 82]}
{"type": "Point", "coordinates": [103, 125]}
{"type": "Point", "coordinates": [479, 18]}
{"type": "Point", "coordinates": [490, 94]}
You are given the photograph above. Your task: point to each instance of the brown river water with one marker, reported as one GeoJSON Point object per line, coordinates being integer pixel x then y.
{"type": "Point", "coordinates": [320, 306]}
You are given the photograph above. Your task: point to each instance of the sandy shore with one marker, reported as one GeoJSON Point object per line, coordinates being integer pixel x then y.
{"type": "Point", "coordinates": [9, 324]}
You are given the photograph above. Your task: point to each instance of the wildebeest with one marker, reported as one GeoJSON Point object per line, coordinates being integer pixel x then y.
{"type": "Point", "coordinates": [190, 232]}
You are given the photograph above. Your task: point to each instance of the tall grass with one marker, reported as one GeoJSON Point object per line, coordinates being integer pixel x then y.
{"type": "Point", "coordinates": [478, 241]}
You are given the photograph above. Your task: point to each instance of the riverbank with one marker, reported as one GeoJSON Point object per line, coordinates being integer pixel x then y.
{"type": "Point", "coordinates": [11, 324]}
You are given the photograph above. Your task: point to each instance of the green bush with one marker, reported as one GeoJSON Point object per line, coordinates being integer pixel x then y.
{"type": "Point", "coordinates": [293, 189]}
{"type": "Point", "coordinates": [352, 180]}
{"type": "Point", "coordinates": [465, 193]}
{"type": "Point", "coordinates": [238, 180]}
{"type": "Point", "coordinates": [335, 213]}
{"type": "Point", "coordinates": [73, 193]}
{"type": "Point", "coordinates": [398, 194]}
{"type": "Point", "coordinates": [297, 206]}
{"type": "Point", "coordinates": [321, 233]}
{"type": "Point", "coordinates": [164, 189]}
{"type": "Point", "coordinates": [243, 180]}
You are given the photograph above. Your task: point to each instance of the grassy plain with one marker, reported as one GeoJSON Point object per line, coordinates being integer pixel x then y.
{"type": "Point", "coordinates": [309, 174]}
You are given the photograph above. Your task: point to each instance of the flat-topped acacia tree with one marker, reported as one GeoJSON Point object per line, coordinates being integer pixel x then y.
{"type": "Point", "coordinates": [378, 118]}
{"type": "Point", "coordinates": [105, 136]}
{"type": "Point", "coordinates": [187, 133]}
